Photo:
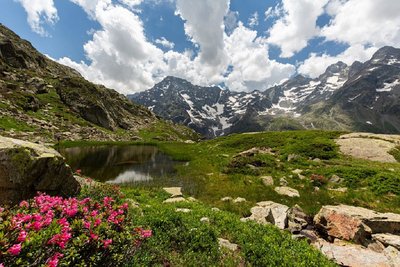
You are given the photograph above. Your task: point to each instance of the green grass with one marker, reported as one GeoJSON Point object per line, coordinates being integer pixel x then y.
{"type": "Point", "coordinates": [181, 239]}
{"type": "Point", "coordinates": [8, 123]}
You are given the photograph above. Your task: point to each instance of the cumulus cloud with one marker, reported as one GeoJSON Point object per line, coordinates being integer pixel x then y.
{"type": "Point", "coordinates": [317, 64]}
{"type": "Point", "coordinates": [231, 21]}
{"type": "Point", "coordinates": [367, 22]}
{"type": "Point", "coordinates": [251, 66]}
{"type": "Point", "coordinates": [204, 24]}
{"type": "Point", "coordinates": [39, 12]}
{"type": "Point", "coordinates": [298, 25]}
{"type": "Point", "coordinates": [165, 43]}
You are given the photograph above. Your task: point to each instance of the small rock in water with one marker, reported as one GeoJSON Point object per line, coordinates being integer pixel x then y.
{"type": "Point", "coordinates": [239, 200]}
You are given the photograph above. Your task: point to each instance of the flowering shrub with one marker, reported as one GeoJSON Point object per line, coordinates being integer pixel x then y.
{"type": "Point", "coordinates": [53, 231]}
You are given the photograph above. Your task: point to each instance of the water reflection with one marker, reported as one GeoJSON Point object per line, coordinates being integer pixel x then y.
{"type": "Point", "coordinates": [120, 164]}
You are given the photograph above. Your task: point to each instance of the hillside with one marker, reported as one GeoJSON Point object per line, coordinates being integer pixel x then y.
{"type": "Point", "coordinates": [360, 97]}
{"type": "Point", "coordinates": [43, 100]}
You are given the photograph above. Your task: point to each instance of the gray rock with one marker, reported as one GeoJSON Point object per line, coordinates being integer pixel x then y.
{"type": "Point", "coordinates": [175, 200]}
{"type": "Point", "coordinates": [224, 243]}
{"type": "Point", "coordinates": [283, 182]}
{"type": "Point", "coordinates": [287, 191]}
{"type": "Point", "coordinates": [335, 179]}
{"type": "Point", "coordinates": [388, 239]}
{"type": "Point", "coordinates": [239, 200]}
{"type": "Point", "coordinates": [346, 254]}
{"type": "Point", "coordinates": [297, 219]}
{"type": "Point", "coordinates": [292, 157]}
{"type": "Point", "coordinates": [183, 210]}
{"type": "Point", "coordinates": [267, 180]}
{"type": "Point", "coordinates": [225, 199]}
{"type": "Point", "coordinates": [269, 212]}
{"type": "Point", "coordinates": [173, 191]}
{"type": "Point", "coordinates": [205, 220]}
{"type": "Point", "coordinates": [26, 168]}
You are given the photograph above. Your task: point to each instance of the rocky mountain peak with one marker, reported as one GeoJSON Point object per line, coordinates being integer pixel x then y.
{"type": "Point", "coordinates": [386, 55]}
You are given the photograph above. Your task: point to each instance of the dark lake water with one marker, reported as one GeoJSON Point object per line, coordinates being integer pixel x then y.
{"type": "Point", "coordinates": [131, 164]}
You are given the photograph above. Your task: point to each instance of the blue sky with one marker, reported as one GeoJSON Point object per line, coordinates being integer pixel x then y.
{"type": "Point", "coordinates": [129, 45]}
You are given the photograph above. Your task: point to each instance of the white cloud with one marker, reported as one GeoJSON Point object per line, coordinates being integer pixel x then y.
{"type": "Point", "coordinates": [273, 12]}
{"type": "Point", "coordinates": [204, 24]}
{"type": "Point", "coordinates": [39, 12]}
{"type": "Point", "coordinates": [252, 68]}
{"type": "Point", "coordinates": [366, 22]}
{"type": "Point", "coordinates": [317, 64]}
{"type": "Point", "coordinates": [164, 42]}
{"type": "Point", "coordinates": [131, 3]}
{"type": "Point", "coordinates": [298, 25]}
{"type": "Point", "coordinates": [253, 20]}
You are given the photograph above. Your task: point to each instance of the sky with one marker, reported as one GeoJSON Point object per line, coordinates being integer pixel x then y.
{"type": "Point", "coordinates": [243, 45]}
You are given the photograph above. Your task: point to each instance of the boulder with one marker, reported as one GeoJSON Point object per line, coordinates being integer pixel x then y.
{"type": "Point", "coordinates": [388, 240]}
{"type": "Point", "coordinates": [26, 168]}
{"type": "Point", "coordinates": [297, 219]}
{"type": "Point", "coordinates": [173, 191]}
{"type": "Point", "coordinates": [355, 223]}
{"type": "Point", "coordinates": [287, 191]}
{"type": "Point", "coordinates": [346, 254]}
{"type": "Point", "coordinates": [175, 200]}
{"type": "Point", "coordinates": [269, 212]}
{"type": "Point", "coordinates": [267, 180]}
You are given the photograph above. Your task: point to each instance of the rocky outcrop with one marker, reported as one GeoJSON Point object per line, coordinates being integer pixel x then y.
{"type": "Point", "coordinates": [355, 223]}
{"type": "Point", "coordinates": [26, 168]}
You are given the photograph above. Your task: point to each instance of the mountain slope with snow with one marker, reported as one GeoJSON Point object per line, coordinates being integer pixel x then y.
{"type": "Point", "coordinates": [363, 96]}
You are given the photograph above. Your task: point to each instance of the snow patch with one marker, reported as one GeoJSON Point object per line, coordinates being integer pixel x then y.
{"type": "Point", "coordinates": [387, 87]}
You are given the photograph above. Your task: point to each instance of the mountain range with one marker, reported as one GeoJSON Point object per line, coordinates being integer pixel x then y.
{"type": "Point", "coordinates": [360, 97]}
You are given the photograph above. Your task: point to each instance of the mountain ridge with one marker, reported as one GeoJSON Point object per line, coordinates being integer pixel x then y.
{"type": "Point", "coordinates": [298, 103]}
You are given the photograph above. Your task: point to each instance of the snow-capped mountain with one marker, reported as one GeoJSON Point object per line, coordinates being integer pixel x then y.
{"type": "Point", "coordinates": [363, 96]}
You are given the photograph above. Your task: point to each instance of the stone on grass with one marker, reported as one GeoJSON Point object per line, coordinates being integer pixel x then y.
{"type": "Point", "coordinates": [183, 210]}
{"type": "Point", "coordinates": [269, 212]}
{"type": "Point", "coordinates": [174, 191]}
{"type": "Point", "coordinates": [224, 243]}
{"type": "Point", "coordinates": [267, 180]}
{"type": "Point", "coordinates": [335, 179]}
{"type": "Point", "coordinates": [26, 168]}
{"type": "Point", "coordinates": [226, 199]}
{"type": "Point", "coordinates": [297, 219]}
{"type": "Point", "coordinates": [283, 182]}
{"type": "Point", "coordinates": [355, 223]}
{"type": "Point", "coordinates": [239, 200]}
{"type": "Point", "coordinates": [287, 191]}
{"type": "Point", "coordinates": [174, 200]}
{"type": "Point", "coordinates": [205, 220]}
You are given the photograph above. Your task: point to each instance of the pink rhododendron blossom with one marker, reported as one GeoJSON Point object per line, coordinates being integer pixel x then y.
{"type": "Point", "coordinates": [53, 261]}
{"type": "Point", "coordinates": [15, 249]}
{"type": "Point", "coordinates": [107, 243]}
{"type": "Point", "coordinates": [22, 236]}
{"type": "Point", "coordinates": [24, 204]}
{"type": "Point", "coordinates": [146, 233]}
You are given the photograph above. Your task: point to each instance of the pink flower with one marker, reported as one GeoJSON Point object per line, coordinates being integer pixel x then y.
{"type": "Point", "coordinates": [15, 249]}
{"type": "Point", "coordinates": [146, 233]}
{"type": "Point", "coordinates": [97, 222]}
{"type": "Point", "coordinates": [78, 171]}
{"type": "Point", "coordinates": [86, 224]}
{"type": "Point", "coordinates": [1, 265]}
{"type": "Point", "coordinates": [22, 236]}
{"type": "Point", "coordinates": [107, 243]}
{"type": "Point", "coordinates": [94, 236]}
{"type": "Point", "coordinates": [53, 261]}
{"type": "Point", "coordinates": [1, 210]}
{"type": "Point", "coordinates": [24, 204]}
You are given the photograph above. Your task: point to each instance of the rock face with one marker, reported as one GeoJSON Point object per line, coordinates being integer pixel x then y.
{"type": "Point", "coordinates": [26, 168]}
{"type": "Point", "coordinates": [355, 223]}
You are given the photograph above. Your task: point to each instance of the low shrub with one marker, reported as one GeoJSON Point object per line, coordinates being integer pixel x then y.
{"type": "Point", "coordinates": [318, 180]}
{"type": "Point", "coordinates": [384, 183]}
{"type": "Point", "coordinates": [53, 231]}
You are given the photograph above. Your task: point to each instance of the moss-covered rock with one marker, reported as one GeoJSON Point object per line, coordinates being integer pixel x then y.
{"type": "Point", "coordinates": [26, 168]}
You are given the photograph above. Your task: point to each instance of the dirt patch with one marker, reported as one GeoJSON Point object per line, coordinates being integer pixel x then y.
{"type": "Point", "coordinates": [368, 146]}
